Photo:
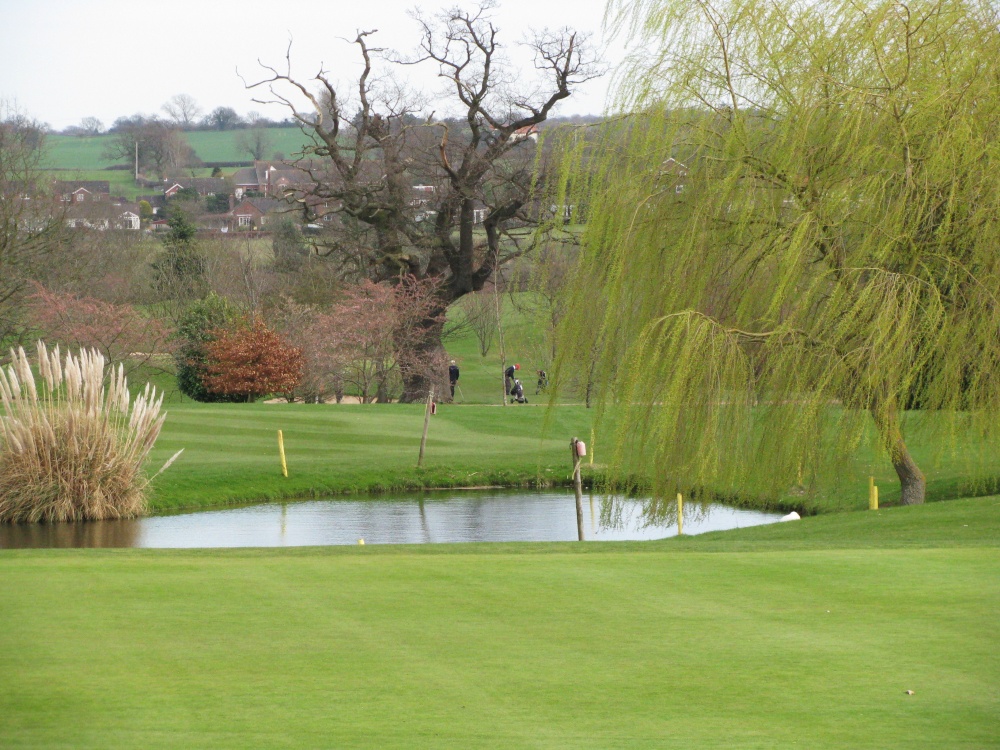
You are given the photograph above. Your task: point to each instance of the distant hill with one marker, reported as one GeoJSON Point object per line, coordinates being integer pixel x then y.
{"type": "Point", "coordinates": [69, 152]}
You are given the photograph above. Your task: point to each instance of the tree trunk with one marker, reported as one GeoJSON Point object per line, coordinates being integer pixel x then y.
{"type": "Point", "coordinates": [423, 363]}
{"type": "Point", "coordinates": [912, 483]}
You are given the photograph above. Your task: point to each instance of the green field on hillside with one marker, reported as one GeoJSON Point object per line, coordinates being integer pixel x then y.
{"type": "Point", "coordinates": [635, 645]}
{"type": "Point", "coordinates": [215, 145]}
{"type": "Point", "coordinates": [68, 152]}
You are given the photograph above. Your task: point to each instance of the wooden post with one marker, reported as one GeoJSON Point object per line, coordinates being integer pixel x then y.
{"type": "Point", "coordinates": [281, 452]}
{"type": "Point", "coordinates": [427, 421]}
{"type": "Point", "coordinates": [680, 514]}
{"type": "Point", "coordinates": [871, 492]}
{"type": "Point", "coordinates": [577, 488]}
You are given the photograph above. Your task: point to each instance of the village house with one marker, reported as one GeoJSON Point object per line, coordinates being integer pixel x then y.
{"type": "Point", "coordinates": [270, 179]}
{"type": "Point", "coordinates": [82, 191]}
{"type": "Point", "coordinates": [249, 214]}
{"type": "Point", "coordinates": [103, 215]}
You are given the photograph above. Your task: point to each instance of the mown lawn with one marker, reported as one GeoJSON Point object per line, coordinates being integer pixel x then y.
{"type": "Point", "coordinates": [724, 641]}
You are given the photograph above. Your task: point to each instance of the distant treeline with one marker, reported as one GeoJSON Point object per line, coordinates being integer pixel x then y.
{"type": "Point", "coordinates": [227, 118]}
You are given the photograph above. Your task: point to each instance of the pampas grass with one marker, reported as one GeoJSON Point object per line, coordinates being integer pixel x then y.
{"type": "Point", "coordinates": [72, 447]}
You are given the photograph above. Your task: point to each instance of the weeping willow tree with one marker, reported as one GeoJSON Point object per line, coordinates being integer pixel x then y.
{"type": "Point", "coordinates": [793, 237]}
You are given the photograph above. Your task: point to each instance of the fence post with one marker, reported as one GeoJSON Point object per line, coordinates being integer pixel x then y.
{"type": "Point", "coordinates": [577, 488]}
{"type": "Point", "coordinates": [427, 421]}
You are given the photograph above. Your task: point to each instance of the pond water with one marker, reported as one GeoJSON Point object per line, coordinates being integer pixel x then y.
{"type": "Point", "coordinates": [432, 517]}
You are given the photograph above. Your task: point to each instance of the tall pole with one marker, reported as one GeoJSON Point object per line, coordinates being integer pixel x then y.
{"type": "Point", "coordinates": [427, 422]}
{"type": "Point", "coordinates": [578, 488]}
{"type": "Point", "coordinates": [499, 315]}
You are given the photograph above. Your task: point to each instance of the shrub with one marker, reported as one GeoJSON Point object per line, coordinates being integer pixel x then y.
{"type": "Point", "coordinates": [70, 448]}
{"type": "Point", "coordinates": [195, 329]}
{"type": "Point", "coordinates": [247, 363]}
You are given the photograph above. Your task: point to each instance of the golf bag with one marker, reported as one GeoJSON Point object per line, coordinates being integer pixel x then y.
{"type": "Point", "coordinates": [517, 393]}
{"type": "Point", "coordinates": [543, 382]}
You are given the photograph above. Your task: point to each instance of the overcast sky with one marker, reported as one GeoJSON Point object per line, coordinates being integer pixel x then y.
{"type": "Point", "coordinates": [63, 60]}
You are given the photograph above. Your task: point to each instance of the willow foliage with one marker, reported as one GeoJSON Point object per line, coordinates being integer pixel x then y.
{"type": "Point", "coordinates": [793, 238]}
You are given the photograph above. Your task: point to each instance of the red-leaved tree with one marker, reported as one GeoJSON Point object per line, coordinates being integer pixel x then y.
{"type": "Point", "coordinates": [324, 359]}
{"type": "Point", "coordinates": [250, 362]}
{"type": "Point", "coordinates": [383, 330]}
{"type": "Point", "coordinates": [119, 332]}
{"type": "Point", "coordinates": [369, 342]}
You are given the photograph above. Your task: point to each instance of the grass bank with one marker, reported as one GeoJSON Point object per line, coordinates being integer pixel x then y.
{"type": "Point", "coordinates": [231, 454]}
{"type": "Point", "coordinates": [722, 641]}
{"type": "Point", "coordinates": [231, 450]}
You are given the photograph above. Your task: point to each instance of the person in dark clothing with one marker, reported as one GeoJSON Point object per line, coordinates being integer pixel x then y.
{"type": "Point", "coordinates": [508, 377]}
{"type": "Point", "coordinates": [543, 382]}
{"type": "Point", "coordinates": [453, 376]}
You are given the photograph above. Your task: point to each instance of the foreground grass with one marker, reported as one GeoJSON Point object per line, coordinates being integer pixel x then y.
{"type": "Point", "coordinates": [681, 644]}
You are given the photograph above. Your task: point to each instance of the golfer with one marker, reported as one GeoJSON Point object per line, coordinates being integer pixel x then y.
{"type": "Point", "coordinates": [453, 376]}
{"type": "Point", "coordinates": [508, 377]}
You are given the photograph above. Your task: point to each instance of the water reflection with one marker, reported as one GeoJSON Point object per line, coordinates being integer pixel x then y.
{"type": "Point", "coordinates": [472, 516]}
{"type": "Point", "coordinates": [124, 533]}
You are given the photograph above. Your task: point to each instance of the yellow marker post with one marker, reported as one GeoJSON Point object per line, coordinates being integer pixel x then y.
{"type": "Point", "coordinates": [281, 452]}
{"type": "Point", "coordinates": [871, 493]}
{"type": "Point", "coordinates": [874, 502]}
{"type": "Point", "coordinates": [592, 446]}
{"type": "Point", "coordinates": [680, 514]}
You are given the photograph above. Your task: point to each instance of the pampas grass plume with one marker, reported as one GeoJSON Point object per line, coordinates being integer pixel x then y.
{"type": "Point", "coordinates": [72, 448]}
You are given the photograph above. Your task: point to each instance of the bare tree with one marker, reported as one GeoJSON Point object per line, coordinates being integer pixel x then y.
{"type": "Point", "coordinates": [498, 117]}
{"type": "Point", "coordinates": [224, 118]}
{"type": "Point", "coordinates": [255, 141]}
{"type": "Point", "coordinates": [91, 126]}
{"type": "Point", "coordinates": [31, 226]}
{"type": "Point", "coordinates": [183, 110]}
{"type": "Point", "coordinates": [363, 166]}
{"type": "Point", "coordinates": [150, 142]}
{"type": "Point", "coordinates": [357, 166]}
{"type": "Point", "coordinates": [480, 316]}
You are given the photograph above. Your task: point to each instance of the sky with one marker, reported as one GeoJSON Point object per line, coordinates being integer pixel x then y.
{"type": "Point", "coordinates": [63, 60]}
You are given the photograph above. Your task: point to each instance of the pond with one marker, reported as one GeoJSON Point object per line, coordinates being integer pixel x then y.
{"type": "Point", "coordinates": [431, 517]}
